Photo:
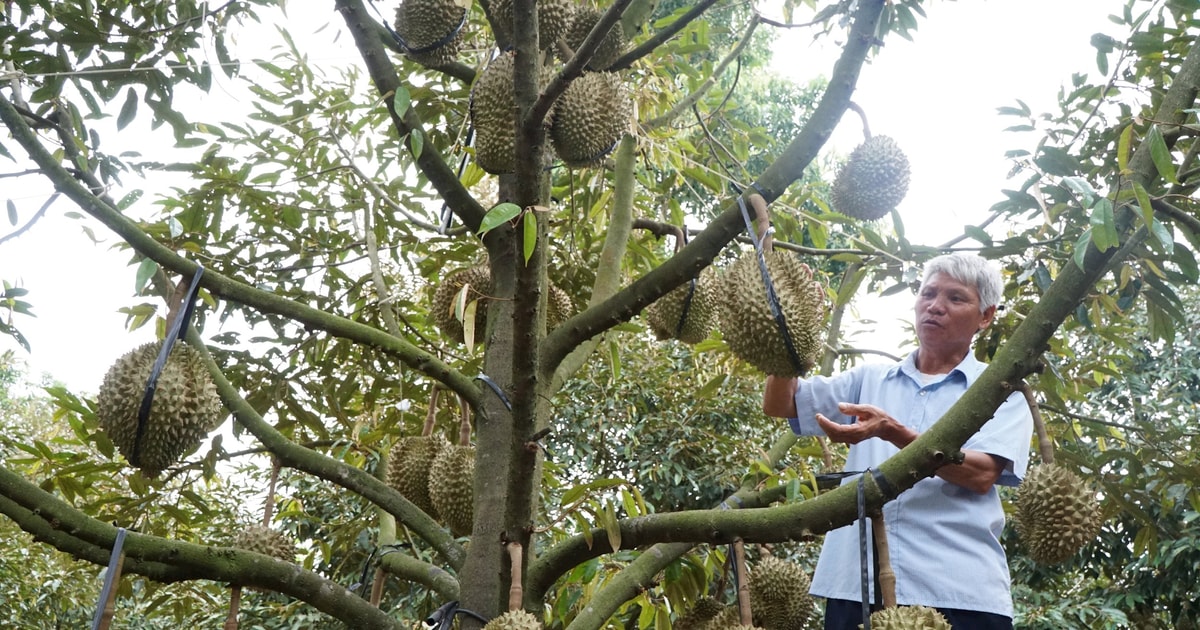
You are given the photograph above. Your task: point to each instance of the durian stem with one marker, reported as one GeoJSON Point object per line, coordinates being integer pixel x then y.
{"type": "Point", "coordinates": [269, 504]}
{"type": "Point", "coordinates": [887, 577]}
{"type": "Point", "coordinates": [862, 115]}
{"type": "Point", "coordinates": [743, 583]}
{"type": "Point", "coordinates": [515, 592]}
{"type": "Point", "coordinates": [377, 586]}
{"type": "Point", "coordinates": [431, 414]}
{"type": "Point", "coordinates": [235, 603]}
{"type": "Point", "coordinates": [762, 222]}
{"type": "Point", "coordinates": [464, 423]}
{"type": "Point", "coordinates": [1045, 444]}
{"type": "Point", "coordinates": [110, 605]}
{"type": "Point", "coordinates": [826, 453]}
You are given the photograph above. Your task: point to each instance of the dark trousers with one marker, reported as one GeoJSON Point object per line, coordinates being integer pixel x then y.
{"type": "Point", "coordinates": [841, 614]}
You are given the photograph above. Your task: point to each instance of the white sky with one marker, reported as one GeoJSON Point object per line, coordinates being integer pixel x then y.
{"type": "Point", "coordinates": [937, 96]}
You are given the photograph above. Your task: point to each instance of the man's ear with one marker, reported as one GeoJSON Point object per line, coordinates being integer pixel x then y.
{"type": "Point", "coordinates": [989, 314]}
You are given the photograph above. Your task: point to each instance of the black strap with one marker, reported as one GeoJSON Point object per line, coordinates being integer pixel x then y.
{"type": "Point", "coordinates": [862, 553]}
{"type": "Point", "coordinates": [687, 299]}
{"type": "Point", "coordinates": [178, 329]}
{"type": "Point", "coordinates": [109, 577]}
{"type": "Point", "coordinates": [772, 298]}
{"type": "Point", "coordinates": [487, 380]}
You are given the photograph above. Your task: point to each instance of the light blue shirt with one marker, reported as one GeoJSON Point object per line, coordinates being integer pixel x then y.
{"type": "Point", "coordinates": [944, 539]}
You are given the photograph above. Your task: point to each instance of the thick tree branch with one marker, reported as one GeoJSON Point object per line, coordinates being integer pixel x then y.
{"type": "Point", "coordinates": [661, 37]}
{"type": "Point", "coordinates": [44, 514]}
{"type": "Point", "coordinates": [224, 286]}
{"type": "Point", "coordinates": [292, 455]}
{"type": "Point", "coordinates": [369, 41]}
{"type": "Point", "coordinates": [688, 262]}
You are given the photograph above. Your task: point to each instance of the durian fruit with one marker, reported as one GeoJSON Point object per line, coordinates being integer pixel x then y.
{"type": "Point", "coordinates": [701, 613]}
{"type": "Point", "coordinates": [451, 487]}
{"type": "Point", "coordinates": [479, 283]}
{"type": "Point", "coordinates": [554, 18]}
{"type": "Point", "coordinates": [589, 118]}
{"type": "Point", "coordinates": [514, 620]}
{"type": "Point", "coordinates": [558, 307]}
{"type": "Point", "coordinates": [908, 618]}
{"type": "Point", "coordinates": [610, 49]}
{"type": "Point", "coordinates": [664, 315]}
{"type": "Point", "coordinates": [267, 541]}
{"type": "Point", "coordinates": [779, 596]}
{"type": "Point", "coordinates": [873, 181]}
{"type": "Point", "coordinates": [408, 468]}
{"type": "Point", "coordinates": [184, 411]}
{"type": "Point", "coordinates": [493, 113]}
{"type": "Point", "coordinates": [1056, 513]}
{"type": "Point", "coordinates": [423, 24]}
{"type": "Point", "coordinates": [748, 325]}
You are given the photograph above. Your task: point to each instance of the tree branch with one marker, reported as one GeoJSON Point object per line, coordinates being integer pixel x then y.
{"type": "Point", "coordinates": [224, 286]}
{"type": "Point", "coordinates": [694, 97]}
{"type": "Point", "coordinates": [661, 37]}
{"type": "Point", "coordinates": [48, 517]}
{"type": "Point", "coordinates": [688, 262]}
{"type": "Point", "coordinates": [368, 40]}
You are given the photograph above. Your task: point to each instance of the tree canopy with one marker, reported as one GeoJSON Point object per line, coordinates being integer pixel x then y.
{"type": "Point", "coordinates": [611, 468]}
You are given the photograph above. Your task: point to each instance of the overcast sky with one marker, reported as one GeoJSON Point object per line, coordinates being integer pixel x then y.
{"type": "Point", "coordinates": [937, 96]}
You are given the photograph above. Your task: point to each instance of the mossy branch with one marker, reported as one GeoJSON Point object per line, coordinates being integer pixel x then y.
{"type": "Point", "coordinates": [221, 285]}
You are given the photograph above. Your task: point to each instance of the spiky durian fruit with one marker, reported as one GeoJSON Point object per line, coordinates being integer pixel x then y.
{"type": "Point", "coordinates": [1056, 513]}
{"type": "Point", "coordinates": [779, 595]}
{"type": "Point", "coordinates": [873, 180]}
{"type": "Point", "coordinates": [408, 468]}
{"type": "Point", "coordinates": [184, 411]}
{"type": "Point", "coordinates": [493, 113]}
{"type": "Point", "coordinates": [748, 325]}
{"type": "Point", "coordinates": [908, 618]}
{"type": "Point", "coordinates": [704, 611]}
{"type": "Point", "coordinates": [584, 21]}
{"type": "Point", "coordinates": [554, 18]}
{"type": "Point", "coordinates": [589, 118]}
{"type": "Point", "coordinates": [267, 541]}
{"type": "Point", "coordinates": [514, 620]}
{"type": "Point", "coordinates": [558, 307]}
{"type": "Point", "coordinates": [451, 487]}
{"type": "Point", "coordinates": [432, 29]}
{"type": "Point", "coordinates": [667, 317]}
{"type": "Point", "coordinates": [478, 283]}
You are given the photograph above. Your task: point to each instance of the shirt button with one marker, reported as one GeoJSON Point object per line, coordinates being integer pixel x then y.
{"type": "Point", "coordinates": [923, 392]}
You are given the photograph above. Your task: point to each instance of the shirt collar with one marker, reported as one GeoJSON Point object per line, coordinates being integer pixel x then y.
{"type": "Point", "coordinates": [969, 368]}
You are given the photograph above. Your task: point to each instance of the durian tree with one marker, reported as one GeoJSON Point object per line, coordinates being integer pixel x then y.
{"type": "Point", "coordinates": [326, 217]}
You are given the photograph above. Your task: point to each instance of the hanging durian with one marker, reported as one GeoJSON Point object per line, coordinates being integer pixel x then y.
{"type": "Point", "coordinates": [873, 181]}
{"type": "Point", "coordinates": [748, 325]}
{"type": "Point", "coordinates": [431, 29]}
{"type": "Point", "coordinates": [493, 114]}
{"type": "Point", "coordinates": [908, 618]}
{"type": "Point", "coordinates": [1056, 513]}
{"type": "Point", "coordinates": [584, 21]}
{"type": "Point", "coordinates": [478, 283]}
{"type": "Point", "coordinates": [700, 614]}
{"type": "Point", "coordinates": [267, 541]}
{"type": "Point", "coordinates": [667, 317]}
{"type": "Point", "coordinates": [451, 487]}
{"type": "Point", "coordinates": [554, 18]}
{"type": "Point", "coordinates": [558, 307]}
{"type": "Point", "coordinates": [779, 594]}
{"type": "Point", "coordinates": [185, 408]}
{"type": "Point", "coordinates": [514, 620]}
{"type": "Point", "coordinates": [589, 118]}
{"type": "Point", "coordinates": [408, 467]}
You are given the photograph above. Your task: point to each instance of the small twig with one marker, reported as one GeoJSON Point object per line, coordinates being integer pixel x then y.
{"type": "Point", "coordinates": [377, 586]}
{"type": "Point", "coordinates": [464, 424]}
{"type": "Point", "coordinates": [659, 228]}
{"type": "Point", "coordinates": [1045, 445]}
{"type": "Point", "coordinates": [36, 217]}
{"type": "Point", "coordinates": [269, 504]}
{"type": "Point", "coordinates": [431, 414]}
{"type": "Point", "coordinates": [235, 603]}
{"type": "Point", "coordinates": [515, 592]}
{"type": "Point", "coordinates": [887, 577]}
{"type": "Point", "coordinates": [183, 23]}
{"type": "Point", "coordinates": [862, 115]}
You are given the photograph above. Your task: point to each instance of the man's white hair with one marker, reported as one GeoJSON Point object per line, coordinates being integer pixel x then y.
{"type": "Point", "coordinates": [970, 269]}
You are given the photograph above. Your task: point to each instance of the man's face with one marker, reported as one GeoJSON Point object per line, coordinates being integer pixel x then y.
{"type": "Point", "coordinates": [948, 313]}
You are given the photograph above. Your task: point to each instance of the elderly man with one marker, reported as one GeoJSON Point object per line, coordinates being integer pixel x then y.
{"type": "Point", "coordinates": [944, 533]}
